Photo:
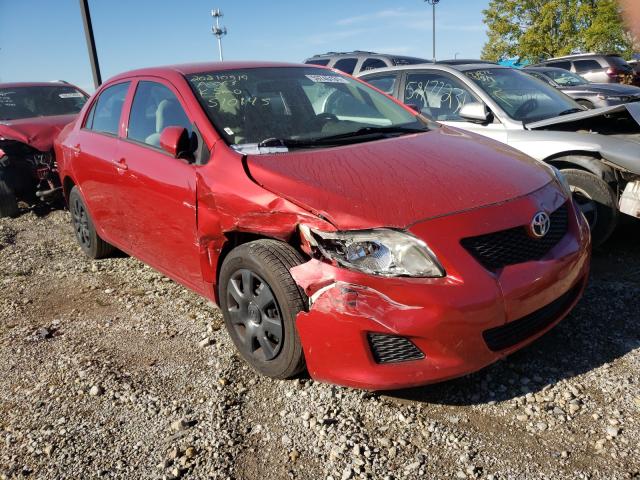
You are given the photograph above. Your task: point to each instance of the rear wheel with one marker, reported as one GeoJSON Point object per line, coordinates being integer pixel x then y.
{"type": "Point", "coordinates": [597, 201]}
{"type": "Point", "coordinates": [260, 301]}
{"type": "Point", "coordinates": [8, 200]}
{"type": "Point", "coordinates": [88, 239]}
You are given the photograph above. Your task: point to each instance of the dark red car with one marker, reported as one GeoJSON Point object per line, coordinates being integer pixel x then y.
{"type": "Point", "coordinates": [335, 227]}
{"type": "Point", "coordinates": [31, 116]}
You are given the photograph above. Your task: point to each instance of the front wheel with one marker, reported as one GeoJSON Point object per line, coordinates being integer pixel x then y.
{"type": "Point", "coordinates": [597, 201]}
{"type": "Point", "coordinates": [260, 301]}
{"type": "Point", "coordinates": [88, 239]}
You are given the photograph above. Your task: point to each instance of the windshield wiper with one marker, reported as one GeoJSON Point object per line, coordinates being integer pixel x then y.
{"type": "Point", "coordinates": [373, 131]}
{"type": "Point", "coordinates": [571, 110]}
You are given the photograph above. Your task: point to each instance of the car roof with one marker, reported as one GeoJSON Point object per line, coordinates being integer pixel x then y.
{"type": "Point", "coordinates": [191, 68]}
{"type": "Point", "coordinates": [579, 56]}
{"type": "Point", "coordinates": [436, 66]}
{"type": "Point", "coordinates": [36, 84]}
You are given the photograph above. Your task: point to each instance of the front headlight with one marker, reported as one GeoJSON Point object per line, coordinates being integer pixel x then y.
{"type": "Point", "coordinates": [378, 252]}
{"type": "Point", "coordinates": [562, 180]}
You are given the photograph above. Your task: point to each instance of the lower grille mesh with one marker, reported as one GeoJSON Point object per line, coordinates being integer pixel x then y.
{"type": "Point", "coordinates": [391, 348]}
{"type": "Point", "coordinates": [512, 333]}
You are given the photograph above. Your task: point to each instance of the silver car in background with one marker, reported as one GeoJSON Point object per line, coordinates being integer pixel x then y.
{"type": "Point", "coordinates": [597, 150]}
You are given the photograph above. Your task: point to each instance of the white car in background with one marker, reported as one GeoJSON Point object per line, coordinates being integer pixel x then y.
{"type": "Point", "coordinates": [598, 150]}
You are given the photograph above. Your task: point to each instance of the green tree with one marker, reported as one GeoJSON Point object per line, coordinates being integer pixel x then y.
{"type": "Point", "coordinates": [538, 29]}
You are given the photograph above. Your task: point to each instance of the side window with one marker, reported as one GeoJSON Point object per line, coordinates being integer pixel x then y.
{"type": "Point", "coordinates": [586, 65]}
{"type": "Point", "coordinates": [105, 114]}
{"type": "Point", "coordinates": [323, 62]}
{"type": "Point", "coordinates": [372, 64]}
{"type": "Point", "coordinates": [386, 83]}
{"type": "Point", "coordinates": [154, 108]}
{"type": "Point", "coordinates": [347, 65]}
{"type": "Point", "coordinates": [437, 95]}
{"type": "Point", "coordinates": [565, 65]}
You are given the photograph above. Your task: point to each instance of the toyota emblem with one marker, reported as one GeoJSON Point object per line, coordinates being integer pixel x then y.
{"type": "Point", "coordinates": [540, 225]}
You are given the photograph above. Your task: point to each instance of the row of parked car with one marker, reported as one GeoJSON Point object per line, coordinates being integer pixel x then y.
{"type": "Point", "coordinates": [383, 233]}
{"type": "Point", "coordinates": [597, 150]}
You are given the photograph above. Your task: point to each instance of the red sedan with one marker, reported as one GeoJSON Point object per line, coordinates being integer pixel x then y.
{"type": "Point", "coordinates": [335, 228]}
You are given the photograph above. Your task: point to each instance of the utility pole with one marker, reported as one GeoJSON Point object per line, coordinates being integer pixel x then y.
{"type": "Point", "coordinates": [218, 31]}
{"type": "Point", "coordinates": [433, 4]}
{"type": "Point", "coordinates": [91, 43]}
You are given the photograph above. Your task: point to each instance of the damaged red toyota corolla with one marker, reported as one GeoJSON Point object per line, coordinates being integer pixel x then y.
{"type": "Point", "coordinates": [335, 227]}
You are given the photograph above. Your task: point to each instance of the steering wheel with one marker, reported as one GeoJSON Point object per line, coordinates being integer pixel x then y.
{"type": "Point", "coordinates": [527, 107]}
{"type": "Point", "coordinates": [327, 117]}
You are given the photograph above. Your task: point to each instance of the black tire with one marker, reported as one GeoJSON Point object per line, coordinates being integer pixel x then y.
{"type": "Point", "coordinates": [88, 239]}
{"type": "Point", "coordinates": [8, 200]}
{"type": "Point", "coordinates": [597, 200]}
{"type": "Point", "coordinates": [586, 103]}
{"type": "Point", "coordinates": [249, 320]}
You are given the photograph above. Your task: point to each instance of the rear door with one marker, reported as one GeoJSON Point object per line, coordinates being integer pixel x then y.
{"type": "Point", "coordinates": [96, 169]}
{"type": "Point", "coordinates": [159, 190]}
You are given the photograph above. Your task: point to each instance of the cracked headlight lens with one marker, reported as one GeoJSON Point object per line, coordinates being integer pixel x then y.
{"type": "Point", "coordinates": [382, 252]}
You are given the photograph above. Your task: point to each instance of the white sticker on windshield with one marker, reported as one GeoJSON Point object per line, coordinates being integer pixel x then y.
{"type": "Point", "coordinates": [228, 131]}
{"type": "Point", "coordinates": [327, 79]}
{"type": "Point", "coordinates": [70, 95]}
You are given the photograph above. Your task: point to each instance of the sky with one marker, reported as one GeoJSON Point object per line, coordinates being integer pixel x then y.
{"type": "Point", "coordinates": [42, 40]}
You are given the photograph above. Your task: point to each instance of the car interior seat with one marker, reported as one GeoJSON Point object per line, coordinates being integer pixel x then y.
{"type": "Point", "coordinates": [169, 113]}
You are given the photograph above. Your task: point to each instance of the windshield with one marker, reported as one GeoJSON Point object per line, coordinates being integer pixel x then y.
{"type": "Point", "coordinates": [564, 78]}
{"type": "Point", "coordinates": [297, 107]}
{"type": "Point", "coordinates": [39, 101]}
{"type": "Point", "coordinates": [521, 96]}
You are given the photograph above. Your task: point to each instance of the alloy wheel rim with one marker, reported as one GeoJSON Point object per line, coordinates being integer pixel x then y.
{"type": "Point", "coordinates": [255, 315]}
{"type": "Point", "coordinates": [81, 223]}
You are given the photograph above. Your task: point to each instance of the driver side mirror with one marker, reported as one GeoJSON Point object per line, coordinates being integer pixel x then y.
{"type": "Point", "coordinates": [176, 142]}
{"type": "Point", "coordinates": [475, 112]}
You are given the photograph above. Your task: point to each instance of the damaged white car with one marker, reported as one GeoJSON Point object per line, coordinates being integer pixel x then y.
{"type": "Point", "coordinates": [598, 151]}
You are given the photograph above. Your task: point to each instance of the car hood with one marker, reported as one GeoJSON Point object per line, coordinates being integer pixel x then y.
{"type": "Point", "coordinates": [400, 181]}
{"type": "Point", "coordinates": [604, 89]}
{"type": "Point", "coordinates": [632, 108]}
{"type": "Point", "coordinates": [38, 132]}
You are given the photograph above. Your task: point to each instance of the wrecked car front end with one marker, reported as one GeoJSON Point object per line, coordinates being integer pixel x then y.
{"type": "Point", "coordinates": [385, 333]}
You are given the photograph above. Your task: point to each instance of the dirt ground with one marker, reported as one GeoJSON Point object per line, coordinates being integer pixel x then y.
{"type": "Point", "coordinates": [108, 369]}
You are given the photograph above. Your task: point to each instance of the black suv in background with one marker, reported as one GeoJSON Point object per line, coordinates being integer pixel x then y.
{"type": "Point", "coordinates": [360, 61]}
{"type": "Point", "coordinates": [596, 68]}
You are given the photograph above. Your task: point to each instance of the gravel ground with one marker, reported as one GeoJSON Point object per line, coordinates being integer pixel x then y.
{"type": "Point", "coordinates": [109, 369]}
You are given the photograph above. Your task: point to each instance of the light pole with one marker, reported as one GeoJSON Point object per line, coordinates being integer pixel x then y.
{"type": "Point", "coordinates": [218, 31]}
{"type": "Point", "coordinates": [433, 4]}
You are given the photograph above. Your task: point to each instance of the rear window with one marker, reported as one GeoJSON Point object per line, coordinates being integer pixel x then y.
{"type": "Point", "coordinates": [40, 101]}
{"type": "Point", "coordinates": [323, 62]}
{"type": "Point", "coordinates": [619, 63]}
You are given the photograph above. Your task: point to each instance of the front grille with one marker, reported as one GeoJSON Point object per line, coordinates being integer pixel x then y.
{"type": "Point", "coordinates": [512, 333]}
{"type": "Point", "coordinates": [508, 247]}
{"type": "Point", "coordinates": [392, 349]}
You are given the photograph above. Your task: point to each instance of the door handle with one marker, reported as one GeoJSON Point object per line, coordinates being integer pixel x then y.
{"type": "Point", "coordinates": [121, 164]}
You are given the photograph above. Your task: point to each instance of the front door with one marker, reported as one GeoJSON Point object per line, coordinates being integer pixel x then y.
{"type": "Point", "coordinates": [160, 191]}
{"type": "Point", "coordinates": [441, 96]}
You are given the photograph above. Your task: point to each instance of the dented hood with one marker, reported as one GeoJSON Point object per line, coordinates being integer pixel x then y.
{"type": "Point", "coordinates": [632, 108]}
{"type": "Point", "coordinates": [400, 181]}
{"type": "Point", "coordinates": [38, 132]}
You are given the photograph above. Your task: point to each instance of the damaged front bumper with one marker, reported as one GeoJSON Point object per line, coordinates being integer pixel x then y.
{"type": "Point", "coordinates": [387, 333]}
